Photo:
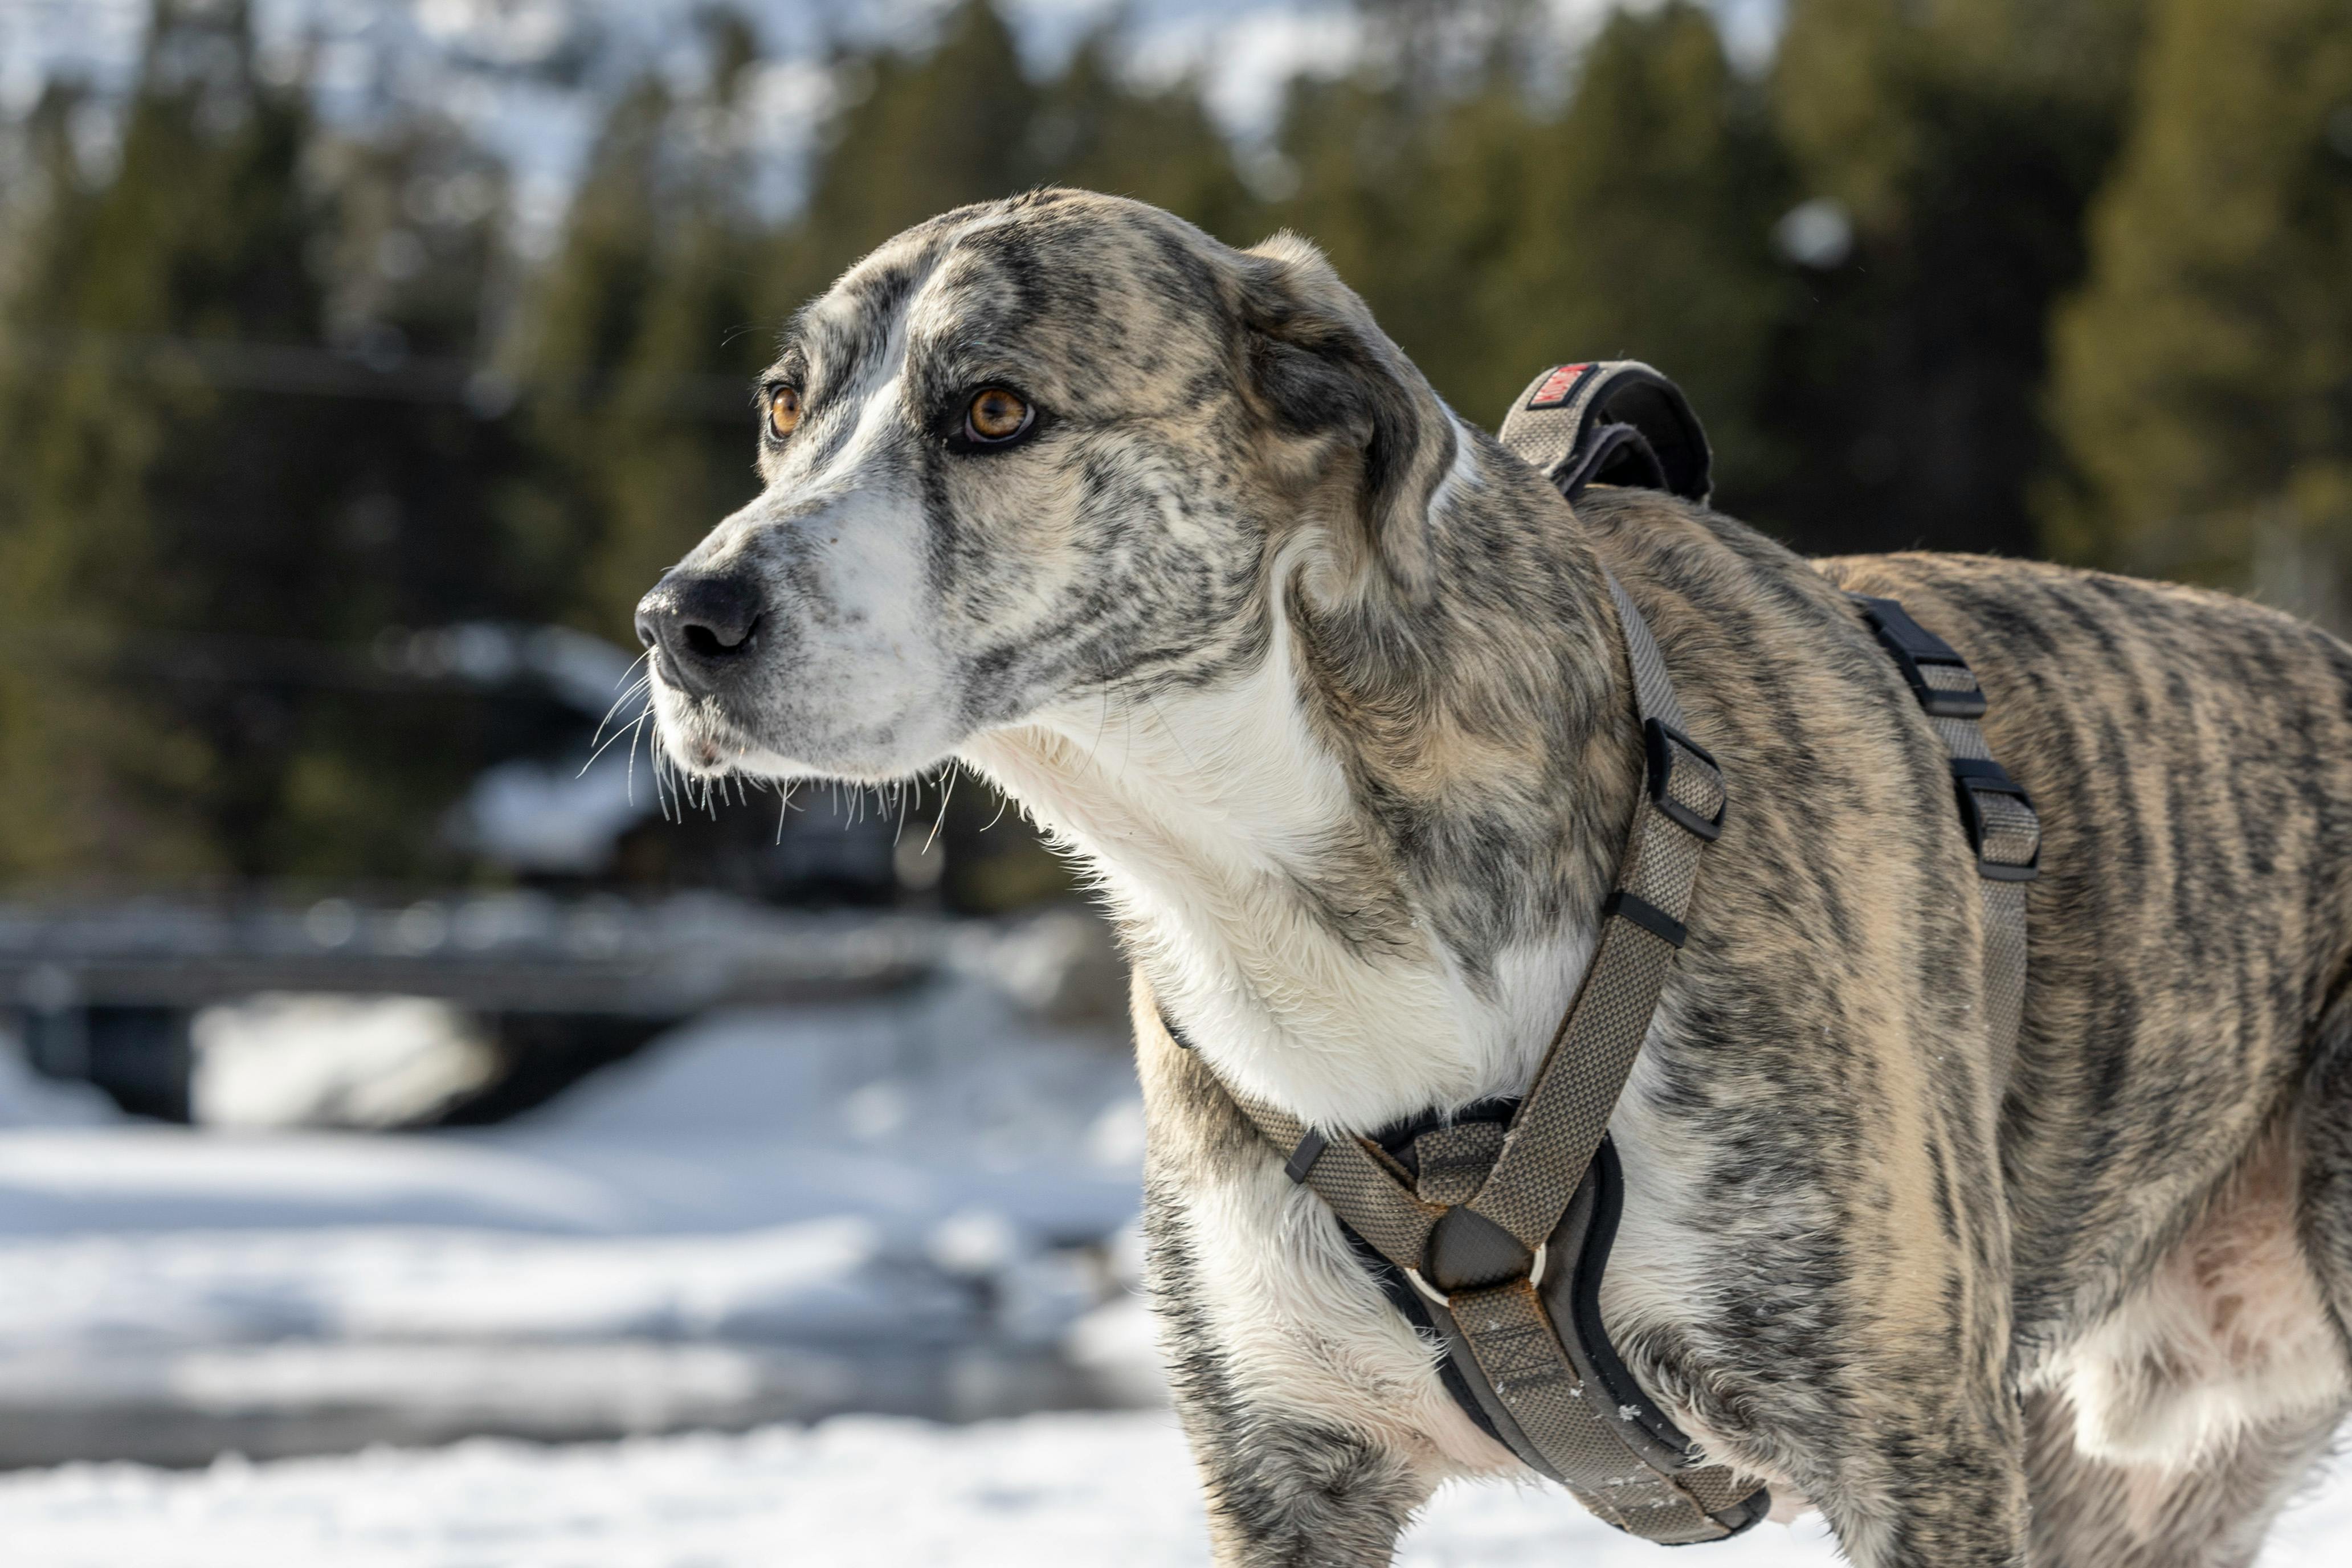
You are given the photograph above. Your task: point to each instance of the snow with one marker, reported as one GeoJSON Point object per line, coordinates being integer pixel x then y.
{"type": "Point", "coordinates": [28, 1099]}
{"type": "Point", "coordinates": [905, 1204]}
{"type": "Point", "coordinates": [146, 1178]}
{"type": "Point", "coordinates": [394, 1283]}
{"type": "Point", "coordinates": [277, 1061]}
{"type": "Point", "coordinates": [910, 1108]}
{"type": "Point", "coordinates": [854, 1492]}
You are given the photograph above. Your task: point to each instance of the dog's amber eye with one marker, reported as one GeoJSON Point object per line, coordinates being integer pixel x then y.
{"type": "Point", "coordinates": [996, 415]}
{"type": "Point", "coordinates": [784, 411]}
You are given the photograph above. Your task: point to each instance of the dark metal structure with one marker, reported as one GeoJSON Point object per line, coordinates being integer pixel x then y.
{"type": "Point", "coordinates": [105, 991]}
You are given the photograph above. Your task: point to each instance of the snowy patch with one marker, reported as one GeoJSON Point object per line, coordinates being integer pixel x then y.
{"type": "Point", "coordinates": [28, 1099]}
{"type": "Point", "coordinates": [852, 1493]}
{"type": "Point", "coordinates": [907, 1204]}
{"type": "Point", "coordinates": [333, 1061]}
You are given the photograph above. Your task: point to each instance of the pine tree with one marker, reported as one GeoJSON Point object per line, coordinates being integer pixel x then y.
{"type": "Point", "coordinates": [1643, 214]}
{"type": "Point", "coordinates": [58, 803]}
{"type": "Point", "coordinates": [583, 320]}
{"type": "Point", "coordinates": [2203, 378]}
{"type": "Point", "coordinates": [1096, 129]}
{"type": "Point", "coordinates": [686, 383]}
{"type": "Point", "coordinates": [219, 483]}
{"type": "Point", "coordinates": [1961, 140]}
{"type": "Point", "coordinates": [144, 498]}
{"type": "Point", "coordinates": [1414, 173]}
{"type": "Point", "coordinates": [1494, 224]}
{"type": "Point", "coordinates": [406, 511]}
{"type": "Point", "coordinates": [920, 131]}
{"type": "Point", "coordinates": [643, 341]}
{"type": "Point", "coordinates": [917, 133]}
{"type": "Point", "coordinates": [414, 256]}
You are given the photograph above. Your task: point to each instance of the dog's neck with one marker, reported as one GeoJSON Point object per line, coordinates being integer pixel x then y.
{"type": "Point", "coordinates": [1360, 918]}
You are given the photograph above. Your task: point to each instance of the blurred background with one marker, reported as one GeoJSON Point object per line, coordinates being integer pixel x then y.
{"type": "Point", "coordinates": [385, 1059]}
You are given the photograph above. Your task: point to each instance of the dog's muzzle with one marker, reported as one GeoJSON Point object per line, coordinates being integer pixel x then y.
{"type": "Point", "coordinates": [702, 628]}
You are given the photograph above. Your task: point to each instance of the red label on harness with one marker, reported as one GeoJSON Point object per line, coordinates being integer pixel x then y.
{"type": "Point", "coordinates": [1558, 385]}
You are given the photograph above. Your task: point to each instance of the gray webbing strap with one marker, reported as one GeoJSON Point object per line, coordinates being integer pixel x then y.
{"type": "Point", "coordinates": [1487, 1293]}
{"type": "Point", "coordinates": [1353, 1175]}
{"type": "Point", "coordinates": [2003, 829]}
{"type": "Point", "coordinates": [1560, 1123]}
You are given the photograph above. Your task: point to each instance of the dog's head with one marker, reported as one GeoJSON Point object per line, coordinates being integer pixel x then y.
{"type": "Point", "coordinates": [1030, 458]}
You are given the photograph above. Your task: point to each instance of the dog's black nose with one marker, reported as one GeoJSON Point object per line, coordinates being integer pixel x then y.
{"type": "Point", "coordinates": [699, 625]}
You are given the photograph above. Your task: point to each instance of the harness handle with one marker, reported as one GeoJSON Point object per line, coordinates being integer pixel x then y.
{"type": "Point", "coordinates": [1610, 422]}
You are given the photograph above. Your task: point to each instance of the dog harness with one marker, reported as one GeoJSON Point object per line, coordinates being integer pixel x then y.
{"type": "Point", "coordinates": [1488, 1227]}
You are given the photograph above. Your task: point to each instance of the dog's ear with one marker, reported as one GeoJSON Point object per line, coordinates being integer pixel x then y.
{"type": "Point", "coordinates": [1319, 365]}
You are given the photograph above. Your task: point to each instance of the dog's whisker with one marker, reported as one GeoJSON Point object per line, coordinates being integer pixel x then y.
{"type": "Point", "coordinates": [632, 688]}
{"type": "Point", "coordinates": [607, 744]}
{"type": "Point", "coordinates": [637, 732]}
{"type": "Point", "coordinates": [1174, 738]}
{"type": "Point", "coordinates": [947, 793]}
{"type": "Point", "coordinates": [666, 789]}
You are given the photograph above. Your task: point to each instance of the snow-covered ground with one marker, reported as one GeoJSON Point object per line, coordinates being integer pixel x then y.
{"type": "Point", "coordinates": [911, 1204]}
{"type": "Point", "coordinates": [918, 1204]}
{"type": "Point", "coordinates": [854, 1492]}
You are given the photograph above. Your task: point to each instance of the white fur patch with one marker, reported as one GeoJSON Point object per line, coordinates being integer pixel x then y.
{"type": "Point", "coordinates": [1305, 1329]}
{"type": "Point", "coordinates": [2226, 1335]}
{"type": "Point", "coordinates": [1199, 814]}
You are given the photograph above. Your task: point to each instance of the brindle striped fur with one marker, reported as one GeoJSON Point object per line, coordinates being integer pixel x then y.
{"type": "Point", "coordinates": [1322, 686]}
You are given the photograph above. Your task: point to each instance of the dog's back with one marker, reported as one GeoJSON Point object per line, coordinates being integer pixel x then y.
{"type": "Point", "coordinates": [2191, 757]}
{"type": "Point", "coordinates": [2176, 1133]}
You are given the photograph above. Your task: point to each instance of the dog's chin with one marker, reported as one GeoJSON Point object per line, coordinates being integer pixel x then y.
{"type": "Point", "coordinates": [702, 747]}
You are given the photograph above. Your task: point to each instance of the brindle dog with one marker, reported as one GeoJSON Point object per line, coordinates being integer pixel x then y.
{"type": "Point", "coordinates": [1324, 689]}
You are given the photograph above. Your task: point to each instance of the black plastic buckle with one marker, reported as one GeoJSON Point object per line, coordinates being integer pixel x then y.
{"type": "Point", "coordinates": [1972, 776]}
{"type": "Point", "coordinates": [1912, 645]}
{"type": "Point", "coordinates": [1659, 739]}
{"type": "Point", "coordinates": [1302, 1159]}
{"type": "Point", "coordinates": [1633, 907]}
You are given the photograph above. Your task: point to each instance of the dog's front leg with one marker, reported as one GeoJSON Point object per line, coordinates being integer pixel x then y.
{"type": "Point", "coordinates": [1926, 1429]}
{"type": "Point", "coordinates": [1947, 1492]}
{"type": "Point", "coordinates": [1306, 1396]}
{"type": "Point", "coordinates": [1289, 1477]}
{"type": "Point", "coordinates": [1845, 1335]}
{"type": "Point", "coordinates": [1886, 1396]}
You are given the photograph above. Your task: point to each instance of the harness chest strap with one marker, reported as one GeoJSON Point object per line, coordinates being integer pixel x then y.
{"type": "Point", "coordinates": [1483, 1261]}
